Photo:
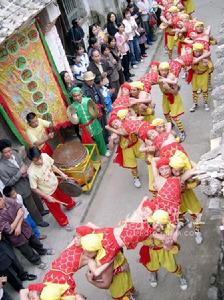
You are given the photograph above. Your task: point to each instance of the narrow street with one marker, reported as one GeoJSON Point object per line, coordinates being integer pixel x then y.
{"type": "Point", "coordinates": [117, 197]}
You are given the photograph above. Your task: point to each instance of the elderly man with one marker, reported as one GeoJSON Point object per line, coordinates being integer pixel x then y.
{"type": "Point", "coordinates": [91, 127]}
{"type": "Point", "coordinates": [13, 172]}
{"type": "Point", "coordinates": [91, 90]}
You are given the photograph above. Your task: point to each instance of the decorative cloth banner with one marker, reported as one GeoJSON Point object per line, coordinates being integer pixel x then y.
{"type": "Point", "coordinates": [27, 82]}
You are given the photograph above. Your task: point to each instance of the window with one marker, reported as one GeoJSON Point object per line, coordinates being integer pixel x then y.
{"type": "Point", "coordinates": [74, 9]}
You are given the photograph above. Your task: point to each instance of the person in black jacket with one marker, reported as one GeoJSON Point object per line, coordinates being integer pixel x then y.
{"type": "Point", "coordinates": [111, 24]}
{"type": "Point", "coordinates": [76, 33]}
{"type": "Point", "coordinates": [11, 267]}
{"type": "Point", "coordinates": [99, 67]}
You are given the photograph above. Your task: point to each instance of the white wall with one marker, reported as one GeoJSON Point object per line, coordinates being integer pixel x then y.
{"type": "Point", "coordinates": [57, 50]}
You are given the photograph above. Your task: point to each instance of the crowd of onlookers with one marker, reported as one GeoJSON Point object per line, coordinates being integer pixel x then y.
{"type": "Point", "coordinates": [112, 52]}
{"type": "Point", "coordinates": [98, 69]}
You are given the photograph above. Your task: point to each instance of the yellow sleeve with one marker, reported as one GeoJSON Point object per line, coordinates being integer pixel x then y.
{"type": "Point", "coordinates": [32, 138]}
{"type": "Point", "coordinates": [44, 123]}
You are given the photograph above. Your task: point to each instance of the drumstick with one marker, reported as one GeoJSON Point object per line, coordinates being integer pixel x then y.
{"type": "Point", "coordinates": [55, 200]}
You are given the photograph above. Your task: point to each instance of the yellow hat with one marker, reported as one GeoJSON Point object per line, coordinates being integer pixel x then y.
{"type": "Point", "coordinates": [164, 66]}
{"type": "Point", "coordinates": [122, 113]}
{"type": "Point", "coordinates": [173, 9]}
{"type": "Point", "coordinates": [158, 121]}
{"type": "Point", "coordinates": [92, 242]}
{"type": "Point", "coordinates": [198, 23]}
{"type": "Point", "coordinates": [137, 84]}
{"type": "Point", "coordinates": [53, 291]}
{"type": "Point", "coordinates": [198, 46]}
{"type": "Point", "coordinates": [160, 217]}
{"type": "Point", "coordinates": [180, 161]}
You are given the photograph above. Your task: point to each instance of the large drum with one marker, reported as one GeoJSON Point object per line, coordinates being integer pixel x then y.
{"type": "Point", "coordinates": [73, 159]}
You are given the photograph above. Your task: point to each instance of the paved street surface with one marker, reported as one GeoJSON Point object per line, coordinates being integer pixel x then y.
{"type": "Point", "coordinates": [116, 197]}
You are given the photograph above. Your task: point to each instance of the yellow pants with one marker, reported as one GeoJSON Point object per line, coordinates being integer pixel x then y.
{"type": "Point", "coordinates": [170, 42]}
{"type": "Point", "coordinates": [189, 6]}
{"type": "Point", "coordinates": [190, 203]}
{"type": "Point", "coordinates": [200, 81]}
{"type": "Point", "coordinates": [131, 154]}
{"type": "Point", "coordinates": [151, 179]}
{"type": "Point", "coordinates": [122, 284]}
{"type": "Point", "coordinates": [162, 258]}
{"type": "Point", "coordinates": [175, 109]}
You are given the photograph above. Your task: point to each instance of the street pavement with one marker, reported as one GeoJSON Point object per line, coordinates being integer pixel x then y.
{"type": "Point", "coordinates": [114, 197]}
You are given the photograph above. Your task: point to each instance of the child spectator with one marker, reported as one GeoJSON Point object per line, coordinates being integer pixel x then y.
{"type": "Point", "coordinates": [78, 69]}
{"type": "Point", "coordinates": [106, 94]}
{"type": "Point", "coordinates": [20, 234]}
{"type": "Point", "coordinates": [10, 192]}
{"type": "Point", "coordinates": [84, 56]}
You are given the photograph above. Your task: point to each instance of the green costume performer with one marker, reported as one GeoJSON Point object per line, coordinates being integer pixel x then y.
{"type": "Point", "coordinates": [86, 121]}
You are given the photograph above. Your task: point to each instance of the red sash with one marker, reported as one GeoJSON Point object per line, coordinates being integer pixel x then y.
{"type": "Point", "coordinates": [170, 97]}
{"type": "Point", "coordinates": [189, 76]}
{"type": "Point", "coordinates": [86, 137]}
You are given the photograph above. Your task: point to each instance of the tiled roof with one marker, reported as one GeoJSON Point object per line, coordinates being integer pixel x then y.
{"type": "Point", "coordinates": [14, 13]}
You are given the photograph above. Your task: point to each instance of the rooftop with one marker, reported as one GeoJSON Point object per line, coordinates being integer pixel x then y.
{"type": "Point", "coordinates": [15, 13]}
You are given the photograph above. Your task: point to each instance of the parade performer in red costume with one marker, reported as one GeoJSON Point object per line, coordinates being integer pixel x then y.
{"type": "Point", "coordinates": [190, 204]}
{"type": "Point", "coordinates": [199, 75]}
{"type": "Point", "coordinates": [59, 279]}
{"type": "Point", "coordinates": [172, 103]}
{"type": "Point", "coordinates": [168, 187]}
{"type": "Point", "coordinates": [160, 249]}
{"type": "Point", "coordinates": [128, 149]}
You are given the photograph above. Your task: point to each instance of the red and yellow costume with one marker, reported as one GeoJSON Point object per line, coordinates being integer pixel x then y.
{"type": "Point", "coordinates": [153, 254]}
{"type": "Point", "coordinates": [62, 271]}
{"type": "Point", "coordinates": [122, 285]}
{"type": "Point", "coordinates": [189, 201]}
{"type": "Point", "coordinates": [199, 75]}
{"type": "Point", "coordinates": [168, 199]}
{"type": "Point", "coordinates": [104, 241]}
{"type": "Point", "coordinates": [172, 104]}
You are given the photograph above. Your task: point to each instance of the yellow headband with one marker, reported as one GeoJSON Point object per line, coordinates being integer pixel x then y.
{"type": "Point", "coordinates": [164, 66]}
{"type": "Point", "coordinates": [137, 84]}
{"type": "Point", "coordinates": [180, 161]}
{"type": "Point", "coordinates": [198, 23]}
{"type": "Point", "coordinates": [92, 242]}
{"type": "Point", "coordinates": [173, 9]}
{"type": "Point", "coordinates": [122, 113]}
{"type": "Point", "coordinates": [53, 291]}
{"type": "Point", "coordinates": [198, 46]}
{"type": "Point", "coordinates": [160, 217]}
{"type": "Point", "coordinates": [157, 122]}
